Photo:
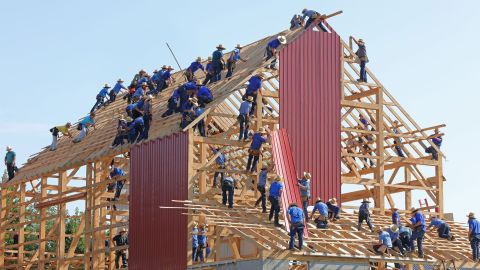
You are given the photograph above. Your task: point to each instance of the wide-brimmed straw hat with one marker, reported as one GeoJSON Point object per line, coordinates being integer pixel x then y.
{"type": "Point", "coordinates": [250, 99]}
{"type": "Point", "coordinates": [238, 46]}
{"type": "Point", "coordinates": [164, 67]}
{"type": "Point", "coordinates": [199, 59]}
{"type": "Point", "coordinates": [106, 86]}
{"type": "Point", "coordinates": [471, 215]}
{"type": "Point", "coordinates": [333, 201]}
{"type": "Point", "coordinates": [414, 210]}
{"type": "Point", "coordinates": [366, 201]}
{"type": "Point", "coordinates": [9, 148]}
{"type": "Point", "coordinates": [220, 47]}
{"type": "Point", "coordinates": [282, 39]}
{"type": "Point", "coordinates": [361, 41]}
{"type": "Point", "coordinates": [307, 175]}
{"type": "Point", "coordinates": [170, 68]}
{"type": "Point", "coordinates": [120, 80]}
{"type": "Point", "coordinates": [394, 228]}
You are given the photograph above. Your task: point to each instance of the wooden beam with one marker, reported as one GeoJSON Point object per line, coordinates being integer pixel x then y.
{"type": "Point", "coordinates": [75, 197]}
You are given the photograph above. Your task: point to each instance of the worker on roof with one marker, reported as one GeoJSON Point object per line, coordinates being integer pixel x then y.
{"type": "Point", "coordinates": [84, 125]}
{"type": "Point", "coordinates": [55, 132]}
{"type": "Point", "coordinates": [121, 239]}
{"type": "Point", "coordinates": [384, 242]}
{"type": "Point", "coordinates": [419, 229]}
{"type": "Point", "coordinates": [165, 80]}
{"type": "Point", "coordinates": [396, 217]}
{"type": "Point", "coordinates": [364, 215]}
{"type": "Point", "coordinates": [122, 132]}
{"type": "Point", "coordinates": [137, 77]}
{"type": "Point", "coordinates": [191, 88]}
{"type": "Point", "coordinates": [218, 63]}
{"type": "Point", "coordinates": [254, 86]}
{"type": "Point", "coordinates": [137, 109]}
{"type": "Point", "coordinates": [117, 88]}
{"type": "Point", "coordinates": [443, 229]}
{"type": "Point", "coordinates": [201, 126]}
{"type": "Point", "coordinates": [233, 59]}
{"type": "Point", "coordinates": [101, 96]}
{"type": "Point", "coordinates": [397, 141]}
{"type": "Point", "coordinates": [220, 163]}
{"type": "Point", "coordinates": [173, 104]}
{"type": "Point", "coordinates": [322, 220]}
{"type": "Point", "coordinates": [272, 49]}
{"type": "Point", "coordinates": [275, 194]}
{"type": "Point", "coordinates": [394, 233]}
{"type": "Point", "coordinates": [296, 219]}
{"type": "Point", "coordinates": [188, 112]}
{"type": "Point", "coordinates": [194, 66]}
{"type": "Point", "coordinates": [147, 116]}
{"type": "Point", "coordinates": [437, 140]}
{"type": "Point", "coordinates": [255, 147]}
{"type": "Point", "coordinates": [135, 129]}
{"type": "Point", "coordinates": [304, 186]}
{"type": "Point", "coordinates": [362, 59]}
{"type": "Point", "coordinates": [204, 95]}
{"type": "Point", "coordinates": [155, 77]}
{"type": "Point", "coordinates": [296, 22]}
{"type": "Point", "coordinates": [140, 92]}
{"type": "Point", "coordinates": [210, 71]}
{"type": "Point", "coordinates": [228, 187]}
{"type": "Point", "coordinates": [129, 109]}
{"type": "Point", "coordinates": [261, 187]}
{"type": "Point", "coordinates": [474, 236]}
{"type": "Point", "coordinates": [10, 160]}
{"type": "Point", "coordinates": [312, 15]}
{"type": "Point", "coordinates": [116, 173]}
{"type": "Point", "coordinates": [144, 78]}
{"type": "Point", "coordinates": [405, 233]}
{"type": "Point", "coordinates": [333, 209]}
{"type": "Point", "coordinates": [244, 118]}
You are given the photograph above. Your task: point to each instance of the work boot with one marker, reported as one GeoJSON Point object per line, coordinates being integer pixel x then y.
{"type": "Point", "coordinates": [421, 256]}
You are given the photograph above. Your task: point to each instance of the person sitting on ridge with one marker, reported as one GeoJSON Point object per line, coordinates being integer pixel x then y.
{"type": "Point", "coordinates": [437, 140]}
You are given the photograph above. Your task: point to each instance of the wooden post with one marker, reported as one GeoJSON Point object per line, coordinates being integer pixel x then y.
{"type": "Point", "coordinates": [98, 258]}
{"type": "Point", "coordinates": [380, 169]}
{"type": "Point", "coordinates": [62, 187]}
{"type": "Point", "coordinates": [202, 183]}
{"type": "Point", "coordinates": [3, 214]}
{"type": "Point", "coordinates": [88, 217]}
{"type": "Point", "coordinates": [408, 193]}
{"type": "Point", "coordinates": [43, 225]}
{"type": "Point", "coordinates": [191, 173]}
{"type": "Point", "coordinates": [439, 178]}
{"type": "Point", "coordinates": [21, 230]}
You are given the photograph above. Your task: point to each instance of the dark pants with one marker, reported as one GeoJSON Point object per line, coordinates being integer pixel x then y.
{"type": "Point", "coordinates": [255, 161]}
{"type": "Point", "coordinates": [112, 96]}
{"type": "Point", "coordinates": [405, 239]}
{"type": "Point", "coordinates": [296, 229]}
{"type": "Point", "coordinates": [269, 54]}
{"type": "Point", "coordinates": [189, 74]}
{"type": "Point", "coordinates": [321, 224]}
{"type": "Point", "coordinates": [363, 72]}
{"type": "Point", "coordinates": [217, 72]}
{"type": "Point", "coordinates": [262, 198]}
{"type": "Point", "coordinates": [444, 231]}
{"type": "Point", "coordinates": [418, 236]}
{"type": "Point", "coordinates": [135, 134]}
{"type": "Point", "coordinates": [274, 209]}
{"type": "Point", "coordinates": [162, 84]}
{"type": "Point", "coordinates": [305, 207]}
{"type": "Point", "coordinates": [311, 20]}
{"type": "Point", "coordinates": [118, 189]}
{"type": "Point", "coordinates": [208, 78]}
{"type": "Point", "coordinates": [10, 170]}
{"type": "Point", "coordinates": [119, 139]}
{"type": "Point", "coordinates": [230, 67]}
{"type": "Point", "coordinates": [244, 126]}
{"type": "Point", "coordinates": [227, 189]}
{"type": "Point", "coordinates": [201, 128]}
{"type": "Point", "coordinates": [222, 176]}
{"type": "Point", "coordinates": [194, 254]}
{"type": "Point", "coordinates": [399, 151]}
{"type": "Point", "coordinates": [118, 254]}
{"type": "Point", "coordinates": [100, 101]}
{"type": "Point", "coordinates": [172, 107]}
{"type": "Point", "coordinates": [431, 150]}
{"type": "Point", "coordinates": [379, 248]}
{"type": "Point", "coordinates": [203, 100]}
{"type": "Point", "coordinates": [199, 254]}
{"type": "Point", "coordinates": [333, 212]}
{"type": "Point", "coordinates": [398, 243]}
{"type": "Point", "coordinates": [364, 217]}
{"type": "Point", "coordinates": [474, 243]}
{"type": "Point", "coordinates": [146, 119]}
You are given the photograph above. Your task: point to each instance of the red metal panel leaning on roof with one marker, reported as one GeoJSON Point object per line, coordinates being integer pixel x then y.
{"type": "Point", "coordinates": [310, 88]}
{"type": "Point", "coordinates": [159, 174]}
{"type": "Point", "coordinates": [285, 168]}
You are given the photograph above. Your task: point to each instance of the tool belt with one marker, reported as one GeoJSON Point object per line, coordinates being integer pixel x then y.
{"type": "Point", "coordinates": [254, 152]}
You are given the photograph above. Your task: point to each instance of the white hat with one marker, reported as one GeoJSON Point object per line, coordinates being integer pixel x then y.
{"type": "Point", "coordinates": [282, 39]}
{"type": "Point", "coordinates": [307, 175]}
{"type": "Point", "coordinates": [9, 148]}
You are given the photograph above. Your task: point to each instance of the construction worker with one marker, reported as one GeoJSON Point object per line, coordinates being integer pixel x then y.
{"type": "Point", "coordinates": [218, 63]}
{"type": "Point", "coordinates": [272, 48]}
{"type": "Point", "coordinates": [275, 194]}
{"type": "Point", "coordinates": [194, 241]}
{"type": "Point", "coordinates": [419, 229]}
{"type": "Point", "coordinates": [140, 92]}
{"type": "Point", "coordinates": [116, 90]}
{"type": "Point", "coordinates": [101, 96]}
{"type": "Point", "coordinates": [322, 220]}
{"type": "Point", "coordinates": [210, 71]}
{"type": "Point", "coordinates": [135, 129]}
{"type": "Point", "coordinates": [397, 141]}
{"type": "Point", "coordinates": [194, 66]}
{"type": "Point", "coordinates": [384, 242]}
{"type": "Point", "coordinates": [333, 209]}
{"type": "Point", "coordinates": [442, 227]}
{"type": "Point", "coordinates": [121, 239]}
{"type": "Point", "coordinates": [474, 236]}
{"type": "Point", "coordinates": [228, 186]}
{"type": "Point", "coordinates": [437, 140]}
{"type": "Point", "coordinates": [201, 126]}
{"type": "Point", "coordinates": [188, 112]}
{"type": "Point", "coordinates": [122, 132]}
{"type": "Point", "coordinates": [204, 95]}
{"type": "Point", "coordinates": [55, 132]}
{"type": "Point", "coordinates": [165, 80]}
{"type": "Point", "coordinates": [396, 217]}
{"type": "Point", "coordinates": [147, 116]}
{"type": "Point", "coordinates": [312, 15]}
{"type": "Point", "coordinates": [84, 125]}
{"type": "Point", "coordinates": [364, 215]}
{"type": "Point", "coordinates": [304, 186]}
{"type": "Point", "coordinates": [10, 160]}
{"type": "Point", "coordinates": [296, 22]}
{"type": "Point", "coordinates": [220, 162]}
{"type": "Point", "coordinates": [254, 152]}
{"type": "Point", "coordinates": [361, 54]}
{"type": "Point", "coordinates": [254, 86]}
{"type": "Point", "coordinates": [394, 233]}
{"type": "Point", "coordinates": [261, 187]}
{"type": "Point", "coordinates": [173, 104]}
{"type": "Point", "coordinates": [233, 59]}
{"type": "Point", "coordinates": [405, 233]}
{"type": "Point", "coordinates": [116, 172]}
{"type": "Point", "coordinates": [244, 118]}
{"type": "Point", "coordinates": [129, 109]}
{"type": "Point", "coordinates": [296, 219]}
{"type": "Point", "coordinates": [202, 241]}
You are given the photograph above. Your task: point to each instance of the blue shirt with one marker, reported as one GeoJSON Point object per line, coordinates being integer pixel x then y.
{"type": "Point", "coordinates": [420, 218]}
{"type": "Point", "coordinates": [262, 178]}
{"type": "Point", "coordinates": [235, 55]}
{"type": "Point", "coordinates": [437, 141]}
{"type": "Point", "coordinates": [190, 86]}
{"type": "Point", "coordinates": [474, 226]}
{"type": "Point", "coordinates": [186, 106]}
{"type": "Point", "coordinates": [194, 238]}
{"type": "Point", "coordinates": [103, 93]}
{"type": "Point", "coordinates": [322, 209]}
{"type": "Point", "coordinates": [142, 80]}
{"type": "Point", "coordinates": [139, 121]}
{"type": "Point", "coordinates": [116, 172]}
{"type": "Point", "coordinates": [308, 13]}
{"type": "Point", "coordinates": [384, 237]}
{"type": "Point", "coordinates": [139, 92]}
{"type": "Point", "coordinates": [405, 229]}
{"type": "Point", "coordinates": [245, 107]}
{"type": "Point", "coordinates": [118, 87]}
{"type": "Point", "coordinates": [216, 57]}
{"type": "Point", "coordinates": [131, 106]}
{"type": "Point", "coordinates": [257, 141]}
{"type": "Point", "coordinates": [436, 222]}
{"type": "Point", "coordinates": [220, 160]}
{"type": "Point", "coordinates": [296, 215]}
{"type": "Point", "coordinates": [194, 66]}
{"type": "Point", "coordinates": [306, 183]}
{"type": "Point", "coordinates": [87, 120]}
{"type": "Point", "coordinates": [202, 238]}
{"type": "Point", "coordinates": [155, 77]}
{"type": "Point", "coordinates": [275, 188]}
{"type": "Point", "coordinates": [274, 43]}
{"type": "Point", "coordinates": [364, 208]}
{"type": "Point", "coordinates": [254, 84]}
{"type": "Point", "coordinates": [166, 75]}
{"type": "Point", "coordinates": [175, 94]}
{"type": "Point", "coordinates": [199, 111]}
{"type": "Point", "coordinates": [209, 68]}
{"type": "Point", "coordinates": [396, 218]}
{"type": "Point", "coordinates": [393, 235]}
{"type": "Point", "coordinates": [204, 92]}
{"type": "Point", "coordinates": [10, 156]}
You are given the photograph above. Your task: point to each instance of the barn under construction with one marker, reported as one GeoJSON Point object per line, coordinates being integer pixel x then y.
{"type": "Point", "coordinates": [311, 106]}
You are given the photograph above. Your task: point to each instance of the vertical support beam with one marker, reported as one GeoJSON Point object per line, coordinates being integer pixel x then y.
{"type": "Point", "coordinates": [202, 182]}
{"type": "Point", "coordinates": [439, 178]}
{"type": "Point", "coordinates": [380, 169]}
{"type": "Point", "coordinates": [43, 225]}
{"type": "Point", "coordinates": [98, 258]}
{"type": "Point", "coordinates": [62, 187]}
{"type": "Point", "coordinates": [113, 232]}
{"type": "Point", "coordinates": [88, 217]}
{"type": "Point", "coordinates": [259, 110]}
{"type": "Point", "coordinates": [342, 67]}
{"type": "Point", "coordinates": [408, 193]}
{"type": "Point", "coordinates": [191, 173]}
{"type": "Point", "coordinates": [21, 230]}
{"type": "Point", "coordinates": [3, 214]}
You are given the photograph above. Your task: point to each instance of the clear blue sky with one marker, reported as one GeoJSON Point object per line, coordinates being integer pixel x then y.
{"type": "Point", "coordinates": [56, 55]}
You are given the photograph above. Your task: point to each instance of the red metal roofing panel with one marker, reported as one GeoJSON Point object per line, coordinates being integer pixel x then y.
{"type": "Point", "coordinates": [159, 174]}
{"type": "Point", "coordinates": [310, 107]}
{"type": "Point", "coordinates": [285, 167]}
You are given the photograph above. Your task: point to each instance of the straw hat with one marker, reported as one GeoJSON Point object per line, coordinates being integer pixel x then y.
{"type": "Point", "coordinates": [106, 86]}
{"type": "Point", "coordinates": [123, 230]}
{"type": "Point", "coordinates": [293, 204]}
{"type": "Point", "coordinates": [307, 175]}
{"type": "Point", "coordinates": [282, 39]}
{"type": "Point", "coordinates": [121, 117]}
{"type": "Point", "coordinates": [9, 148]}
{"type": "Point", "coordinates": [238, 46]}
{"type": "Point", "coordinates": [279, 179]}
{"type": "Point", "coordinates": [199, 59]}
{"type": "Point", "coordinates": [262, 130]}
{"type": "Point", "coordinates": [148, 97]}
{"type": "Point", "coordinates": [155, 71]}
{"type": "Point", "coordinates": [471, 215]}
{"type": "Point", "coordinates": [164, 67]}
{"type": "Point", "coordinates": [209, 58]}
{"type": "Point", "coordinates": [261, 76]}
{"type": "Point", "coordinates": [195, 224]}
{"type": "Point", "coordinates": [120, 80]}
{"type": "Point", "coordinates": [304, 10]}
{"type": "Point", "coordinates": [250, 99]}
{"type": "Point", "coordinates": [319, 199]}
{"type": "Point", "coordinates": [68, 124]}
{"type": "Point", "coordinates": [220, 47]}
{"type": "Point", "coordinates": [394, 228]}
{"type": "Point", "coordinates": [333, 201]}
{"type": "Point", "coordinates": [366, 201]}
{"type": "Point", "coordinates": [394, 208]}
{"type": "Point", "coordinates": [361, 41]}
{"type": "Point", "coordinates": [142, 71]}
{"type": "Point", "coordinates": [144, 84]}
{"type": "Point", "coordinates": [170, 68]}
{"type": "Point", "coordinates": [414, 210]}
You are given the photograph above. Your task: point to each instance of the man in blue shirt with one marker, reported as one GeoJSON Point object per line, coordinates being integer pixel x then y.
{"type": "Point", "coordinates": [10, 159]}
{"type": "Point", "coordinates": [437, 140]}
{"type": "Point", "coordinates": [395, 237]}
{"type": "Point", "coordinates": [254, 86]}
{"type": "Point", "coordinates": [474, 236]}
{"type": "Point", "coordinates": [261, 187]}
{"type": "Point", "coordinates": [164, 81]}
{"type": "Point", "coordinates": [194, 66]}
{"type": "Point", "coordinates": [210, 71]}
{"type": "Point", "coordinates": [84, 125]}
{"type": "Point", "coordinates": [204, 95]}
{"type": "Point", "coordinates": [296, 219]}
{"type": "Point", "coordinates": [201, 126]}
{"type": "Point", "coordinates": [218, 63]}
{"type": "Point", "coordinates": [244, 118]}
{"type": "Point", "coordinates": [202, 242]}
{"type": "Point", "coordinates": [272, 48]}
{"type": "Point", "coordinates": [117, 173]}
{"type": "Point", "coordinates": [140, 92]}
{"type": "Point", "coordinates": [136, 129]}
{"type": "Point", "coordinates": [384, 242]}
{"type": "Point", "coordinates": [101, 96]}
{"type": "Point", "coordinates": [322, 220]}
{"type": "Point", "coordinates": [364, 215]}
{"type": "Point", "coordinates": [194, 241]}
{"type": "Point", "coordinates": [116, 90]}
{"type": "Point", "coordinates": [405, 233]}
{"type": "Point", "coordinates": [122, 133]}
{"type": "Point", "coordinates": [333, 209]}
{"type": "Point", "coordinates": [188, 112]}
{"type": "Point", "coordinates": [296, 22]}
{"type": "Point", "coordinates": [419, 229]}
{"type": "Point", "coordinates": [442, 227]}
{"type": "Point", "coordinates": [361, 55]}
{"type": "Point", "coordinates": [220, 162]}
{"type": "Point", "coordinates": [173, 104]}
{"type": "Point", "coordinates": [233, 59]}
{"type": "Point", "coordinates": [304, 186]}
{"type": "Point", "coordinates": [396, 217]}
{"type": "Point", "coordinates": [275, 194]}
{"type": "Point", "coordinates": [228, 186]}
{"type": "Point", "coordinates": [312, 15]}
{"type": "Point", "coordinates": [254, 151]}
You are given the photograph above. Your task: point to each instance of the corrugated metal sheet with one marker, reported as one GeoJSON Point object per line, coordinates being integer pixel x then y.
{"type": "Point", "coordinates": [310, 107]}
{"type": "Point", "coordinates": [285, 167]}
{"type": "Point", "coordinates": [159, 174]}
